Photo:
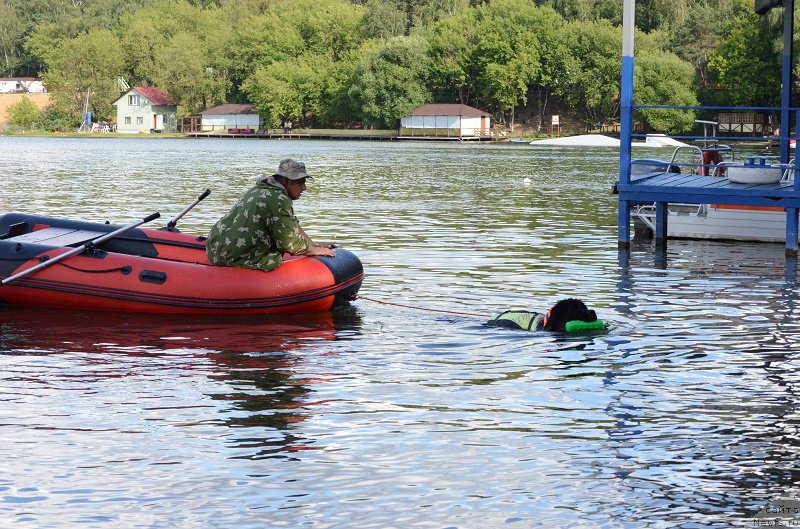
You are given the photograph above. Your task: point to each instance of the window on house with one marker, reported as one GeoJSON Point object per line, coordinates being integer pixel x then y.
{"type": "Point", "coordinates": [128, 120]}
{"type": "Point", "coordinates": [133, 100]}
{"type": "Point", "coordinates": [140, 120]}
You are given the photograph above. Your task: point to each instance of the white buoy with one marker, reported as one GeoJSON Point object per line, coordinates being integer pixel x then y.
{"type": "Point", "coordinates": [527, 181]}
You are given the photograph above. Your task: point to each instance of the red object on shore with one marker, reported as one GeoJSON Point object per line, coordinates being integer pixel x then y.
{"type": "Point", "coordinates": [147, 270]}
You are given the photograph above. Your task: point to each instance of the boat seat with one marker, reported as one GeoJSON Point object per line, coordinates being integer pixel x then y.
{"type": "Point", "coordinates": [57, 236]}
{"type": "Point", "coordinates": [15, 229]}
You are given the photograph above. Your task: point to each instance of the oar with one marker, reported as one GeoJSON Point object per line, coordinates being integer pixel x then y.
{"type": "Point", "coordinates": [171, 224]}
{"type": "Point", "coordinates": [86, 246]}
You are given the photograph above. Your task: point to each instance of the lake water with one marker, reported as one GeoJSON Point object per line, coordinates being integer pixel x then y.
{"type": "Point", "coordinates": [379, 416]}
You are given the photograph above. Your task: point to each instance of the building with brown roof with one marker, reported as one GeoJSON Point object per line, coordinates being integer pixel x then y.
{"type": "Point", "coordinates": [21, 85]}
{"type": "Point", "coordinates": [146, 109]}
{"type": "Point", "coordinates": [235, 118]}
{"type": "Point", "coordinates": [446, 120]}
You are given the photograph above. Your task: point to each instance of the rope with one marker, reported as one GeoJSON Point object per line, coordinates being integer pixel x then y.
{"type": "Point", "coordinates": [89, 271]}
{"type": "Point", "coordinates": [422, 308]}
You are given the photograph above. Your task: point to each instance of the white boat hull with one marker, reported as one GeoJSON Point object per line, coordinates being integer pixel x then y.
{"type": "Point", "coordinates": [736, 223]}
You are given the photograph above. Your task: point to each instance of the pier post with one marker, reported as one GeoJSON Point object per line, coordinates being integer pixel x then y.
{"type": "Point", "coordinates": [791, 232]}
{"type": "Point", "coordinates": [626, 121]}
{"type": "Point", "coordinates": [662, 215]}
{"type": "Point", "coordinates": [786, 78]}
{"type": "Point", "coordinates": [624, 225]}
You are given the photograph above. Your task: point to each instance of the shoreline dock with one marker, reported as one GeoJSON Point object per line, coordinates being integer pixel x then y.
{"type": "Point", "coordinates": [340, 134]}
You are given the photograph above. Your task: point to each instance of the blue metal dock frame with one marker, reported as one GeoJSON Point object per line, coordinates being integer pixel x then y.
{"type": "Point", "coordinates": [663, 188]}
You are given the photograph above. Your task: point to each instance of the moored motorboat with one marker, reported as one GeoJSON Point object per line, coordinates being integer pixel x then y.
{"type": "Point", "coordinates": [716, 221]}
{"type": "Point", "coordinates": [158, 271]}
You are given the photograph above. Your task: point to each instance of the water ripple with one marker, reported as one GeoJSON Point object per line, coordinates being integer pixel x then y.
{"type": "Point", "coordinates": [683, 415]}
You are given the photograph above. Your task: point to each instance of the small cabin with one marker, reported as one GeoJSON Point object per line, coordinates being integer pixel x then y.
{"type": "Point", "coordinates": [145, 109]}
{"type": "Point", "coordinates": [744, 123]}
{"type": "Point", "coordinates": [21, 85]}
{"type": "Point", "coordinates": [446, 120]}
{"type": "Point", "coordinates": [232, 118]}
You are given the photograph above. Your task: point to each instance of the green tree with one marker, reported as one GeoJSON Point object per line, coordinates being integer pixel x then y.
{"type": "Point", "coordinates": [288, 89]}
{"type": "Point", "coordinates": [54, 119]}
{"type": "Point", "coordinates": [260, 41]}
{"type": "Point", "coordinates": [327, 27]}
{"type": "Point", "coordinates": [661, 78]}
{"type": "Point", "coordinates": [654, 15]}
{"type": "Point", "coordinates": [24, 114]}
{"type": "Point", "coordinates": [86, 66]}
{"type": "Point", "coordinates": [592, 87]}
{"type": "Point", "coordinates": [748, 62]}
{"type": "Point", "coordinates": [426, 13]}
{"type": "Point", "coordinates": [384, 20]}
{"type": "Point", "coordinates": [183, 69]}
{"type": "Point", "coordinates": [12, 28]}
{"type": "Point", "coordinates": [296, 59]}
{"type": "Point", "coordinates": [244, 9]}
{"type": "Point", "coordinates": [508, 55]}
{"type": "Point", "coordinates": [336, 107]}
{"type": "Point", "coordinates": [42, 46]}
{"type": "Point", "coordinates": [571, 10]}
{"type": "Point", "coordinates": [556, 63]}
{"type": "Point", "coordinates": [390, 81]}
{"type": "Point", "coordinates": [452, 48]}
{"type": "Point", "coordinates": [143, 38]}
{"type": "Point", "coordinates": [64, 19]}
{"type": "Point", "coordinates": [698, 36]}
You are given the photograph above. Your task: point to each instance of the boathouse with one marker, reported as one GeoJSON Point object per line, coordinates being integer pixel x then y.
{"type": "Point", "coordinates": [446, 121]}
{"type": "Point", "coordinates": [750, 123]}
{"type": "Point", "coordinates": [231, 118]}
{"type": "Point", "coordinates": [144, 109]}
{"type": "Point", "coordinates": [661, 183]}
{"type": "Point", "coordinates": [21, 85]}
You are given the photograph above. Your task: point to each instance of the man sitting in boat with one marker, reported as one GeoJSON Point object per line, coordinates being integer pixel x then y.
{"type": "Point", "coordinates": [568, 315]}
{"type": "Point", "coordinates": [261, 226]}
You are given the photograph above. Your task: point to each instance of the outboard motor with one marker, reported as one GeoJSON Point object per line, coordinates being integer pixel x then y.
{"type": "Point", "coordinates": [711, 157]}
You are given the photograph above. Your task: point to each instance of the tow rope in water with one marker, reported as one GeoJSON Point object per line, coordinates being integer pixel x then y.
{"type": "Point", "coordinates": [421, 308]}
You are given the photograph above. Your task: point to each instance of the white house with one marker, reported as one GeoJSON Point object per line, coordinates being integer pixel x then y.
{"type": "Point", "coordinates": [233, 118]}
{"type": "Point", "coordinates": [146, 109]}
{"type": "Point", "coordinates": [446, 120]}
{"type": "Point", "coordinates": [21, 85]}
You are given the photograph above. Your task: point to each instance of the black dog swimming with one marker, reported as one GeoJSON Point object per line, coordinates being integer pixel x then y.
{"type": "Point", "coordinates": [567, 311]}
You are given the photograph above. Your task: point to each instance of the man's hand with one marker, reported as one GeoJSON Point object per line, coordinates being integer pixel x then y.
{"type": "Point", "coordinates": [314, 249]}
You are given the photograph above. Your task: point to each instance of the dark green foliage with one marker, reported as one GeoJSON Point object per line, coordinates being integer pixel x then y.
{"type": "Point", "coordinates": [329, 62]}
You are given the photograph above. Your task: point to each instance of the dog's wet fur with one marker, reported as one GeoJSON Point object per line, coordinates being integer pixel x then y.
{"type": "Point", "coordinates": [567, 310]}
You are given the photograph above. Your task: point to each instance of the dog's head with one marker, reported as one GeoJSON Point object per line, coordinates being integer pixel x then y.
{"type": "Point", "coordinates": [567, 310]}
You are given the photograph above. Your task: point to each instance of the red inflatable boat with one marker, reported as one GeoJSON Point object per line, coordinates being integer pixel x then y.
{"type": "Point", "coordinates": [147, 270]}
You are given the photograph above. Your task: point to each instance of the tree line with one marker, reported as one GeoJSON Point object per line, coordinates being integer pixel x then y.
{"type": "Point", "coordinates": [346, 63]}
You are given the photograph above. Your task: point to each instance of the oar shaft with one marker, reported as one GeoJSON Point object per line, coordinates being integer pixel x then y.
{"type": "Point", "coordinates": [79, 249]}
{"type": "Point", "coordinates": [171, 224]}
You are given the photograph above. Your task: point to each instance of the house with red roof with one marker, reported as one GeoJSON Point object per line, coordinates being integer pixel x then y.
{"type": "Point", "coordinates": [145, 109]}
{"type": "Point", "coordinates": [446, 121]}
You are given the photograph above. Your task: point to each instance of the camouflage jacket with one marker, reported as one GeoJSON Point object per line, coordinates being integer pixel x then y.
{"type": "Point", "coordinates": [258, 230]}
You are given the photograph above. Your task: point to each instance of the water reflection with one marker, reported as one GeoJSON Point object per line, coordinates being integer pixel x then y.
{"type": "Point", "coordinates": [720, 400]}
{"type": "Point", "coordinates": [257, 360]}
{"type": "Point", "coordinates": [683, 415]}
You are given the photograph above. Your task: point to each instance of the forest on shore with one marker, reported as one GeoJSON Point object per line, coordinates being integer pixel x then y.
{"type": "Point", "coordinates": [366, 63]}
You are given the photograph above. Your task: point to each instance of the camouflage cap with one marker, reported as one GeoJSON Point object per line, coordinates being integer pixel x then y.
{"type": "Point", "coordinates": [292, 169]}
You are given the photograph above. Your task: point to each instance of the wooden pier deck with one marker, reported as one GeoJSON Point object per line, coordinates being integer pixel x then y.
{"type": "Point", "coordinates": [663, 188]}
{"type": "Point", "coordinates": [697, 189]}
